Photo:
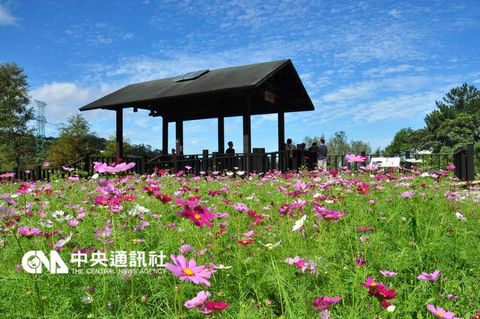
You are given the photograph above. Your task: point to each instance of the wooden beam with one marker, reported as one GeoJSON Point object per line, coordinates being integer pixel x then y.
{"type": "Point", "coordinates": [164, 135]}
{"type": "Point", "coordinates": [247, 135]}
{"type": "Point", "coordinates": [221, 134]}
{"type": "Point", "coordinates": [179, 137]}
{"type": "Point", "coordinates": [281, 131]}
{"type": "Point", "coordinates": [119, 134]}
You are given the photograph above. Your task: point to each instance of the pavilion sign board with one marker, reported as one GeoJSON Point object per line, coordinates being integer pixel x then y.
{"type": "Point", "coordinates": [270, 97]}
{"type": "Point", "coordinates": [386, 161]}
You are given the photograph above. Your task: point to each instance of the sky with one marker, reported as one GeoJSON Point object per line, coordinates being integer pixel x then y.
{"type": "Point", "coordinates": [370, 67]}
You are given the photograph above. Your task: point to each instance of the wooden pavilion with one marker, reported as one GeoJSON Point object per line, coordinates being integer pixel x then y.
{"type": "Point", "coordinates": [263, 88]}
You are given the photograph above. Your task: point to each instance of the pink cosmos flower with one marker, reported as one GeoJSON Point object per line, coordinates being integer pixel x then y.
{"type": "Point", "coordinates": [240, 207]}
{"type": "Point", "coordinates": [352, 158]}
{"type": "Point", "coordinates": [62, 242]}
{"type": "Point", "coordinates": [105, 168]}
{"type": "Point", "coordinates": [407, 194]}
{"type": "Point", "coordinates": [68, 169]}
{"type": "Point", "coordinates": [73, 223]}
{"type": "Point", "coordinates": [429, 277]}
{"type": "Point", "coordinates": [323, 302]}
{"type": "Point", "coordinates": [7, 175]}
{"type": "Point", "coordinates": [440, 313]}
{"type": "Point", "coordinates": [450, 167]}
{"type": "Point", "coordinates": [327, 214]}
{"type": "Point", "coordinates": [302, 264]}
{"type": "Point", "coordinates": [185, 248]}
{"type": "Point", "coordinates": [29, 232]}
{"type": "Point", "coordinates": [387, 273]}
{"type": "Point", "coordinates": [189, 271]}
{"type": "Point", "coordinates": [197, 301]}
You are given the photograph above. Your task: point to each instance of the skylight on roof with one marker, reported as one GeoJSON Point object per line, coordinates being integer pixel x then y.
{"type": "Point", "coordinates": [191, 75]}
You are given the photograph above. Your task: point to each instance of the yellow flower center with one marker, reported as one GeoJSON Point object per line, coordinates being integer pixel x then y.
{"type": "Point", "coordinates": [188, 272]}
{"type": "Point", "coordinates": [196, 216]}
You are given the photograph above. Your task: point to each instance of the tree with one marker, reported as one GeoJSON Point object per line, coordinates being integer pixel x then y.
{"type": "Point", "coordinates": [402, 141]}
{"type": "Point", "coordinates": [130, 149]}
{"type": "Point", "coordinates": [455, 122]}
{"type": "Point", "coordinates": [310, 140]}
{"type": "Point", "coordinates": [75, 141]}
{"type": "Point", "coordinates": [17, 144]}
{"type": "Point", "coordinates": [357, 147]}
{"type": "Point", "coordinates": [456, 118]}
{"type": "Point", "coordinates": [338, 144]}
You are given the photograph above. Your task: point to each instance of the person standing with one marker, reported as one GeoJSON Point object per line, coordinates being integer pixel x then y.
{"type": "Point", "coordinates": [230, 153]}
{"type": "Point", "coordinates": [290, 148]}
{"type": "Point", "coordinates": [230, 150]}
{"type": "Point", "coordinates": [322, 155]}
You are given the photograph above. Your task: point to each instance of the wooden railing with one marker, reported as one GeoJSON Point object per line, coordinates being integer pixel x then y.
{"type": "Point", "coordinates": [258, 161]}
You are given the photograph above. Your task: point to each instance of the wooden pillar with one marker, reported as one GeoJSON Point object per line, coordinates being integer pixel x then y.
{"type": "Point", "coordinates": [179, 137]}
{"type": "Point", "coordinates": [281, 131]}
{"type": "Point", "coordinates": [221, 134]}
{"type": "Point", "coordinates": [119, 133]}
{"type": "Point", "coordinates": [247, 135]}
{"type": "Point", "coordinates": [164, 135]}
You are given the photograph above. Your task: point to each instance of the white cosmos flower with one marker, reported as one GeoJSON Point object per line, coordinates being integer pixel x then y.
{"type": "Point", "coordinates": [271, 246]}
{"type": "Point", "coordinates": [299, 223]}
{"type": "Point", "coordinates": [391, 308]}
{"type": "Point", "coordinates": [137, 210]}
{"type": "Point", "coordinates": [221, 266]}
{"type": "Point", "coordinates": [460, 216]}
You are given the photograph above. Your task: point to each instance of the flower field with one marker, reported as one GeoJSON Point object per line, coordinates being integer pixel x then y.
{"type": "Point", "coordinates": [333, 244]}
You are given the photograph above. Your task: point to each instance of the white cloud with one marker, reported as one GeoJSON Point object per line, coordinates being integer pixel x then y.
{"type": "Point", "coordinates": [395, 13]}
{"type": "Point", "coordinates": [65, 98]}
{"type": "Point", "coordinates": [6, 18]}
{"type": "Point", "coordinates": [397, 108]}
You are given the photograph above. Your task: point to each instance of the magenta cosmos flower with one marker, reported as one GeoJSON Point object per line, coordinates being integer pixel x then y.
{"type": "Point", "coordinates": [440, 313]}
{"type": "Point", "coordinates": [189, 271]}
{"type": "Point", "coordinates": [327, 214]}
{"type": "Point", "coordinates": [323, 302]}
{"type": "Point", "coordinates": [29, 232]}
{"type": "Point", "coordinates": [429, 277]}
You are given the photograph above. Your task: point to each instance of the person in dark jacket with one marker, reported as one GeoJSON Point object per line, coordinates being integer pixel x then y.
{"type": "Point", "coordinates": [322, 155]}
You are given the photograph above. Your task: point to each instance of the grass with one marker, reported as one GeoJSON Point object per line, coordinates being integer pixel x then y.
{"type": "Point", "coordinates": [410, 236]}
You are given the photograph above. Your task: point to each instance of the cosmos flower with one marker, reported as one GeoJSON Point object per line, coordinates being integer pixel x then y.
{"type": "Point", "coordinates": [189, 271]}
{"type": "Point", "coordinates": [197, 301]}
{"type": "Point", "coordinates": [407, 194]}
{"type": "Point", "coordinates": [327, 214]}
{"type": "Point", "coordinates": [440, 313]}
{"type": "Point", "coordinates": [29, 232]}
{"type": "Point", "coordinates": [7, 175]}
{"type": "Point", "coordinates": [216, 305]}
{"type": "Point", "coordinates": [299, 223]}
{"type": "Point", "coordinates": [323, 302]}
{"type": "Point", "coordinates": [429, 277]}
{"type": "Point", "coordinates": [387, 273]}
{"type": "Point", "coordinates": [352, 158]}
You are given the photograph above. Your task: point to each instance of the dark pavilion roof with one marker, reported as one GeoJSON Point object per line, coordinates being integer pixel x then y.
{"type": "Point", "coordinates": [272, 86]}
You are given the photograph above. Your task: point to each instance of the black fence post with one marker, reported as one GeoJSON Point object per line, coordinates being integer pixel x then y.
{"type": "Point", "coordinates": [205, 161]}
{"type": "Point", "coordinates": [258, 160]}
{"type": "Point", "coordinates": [469, 158]}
